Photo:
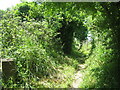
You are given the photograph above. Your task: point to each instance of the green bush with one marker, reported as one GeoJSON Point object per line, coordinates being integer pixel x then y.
{"type": "Point", "coordinates": [28, 44]}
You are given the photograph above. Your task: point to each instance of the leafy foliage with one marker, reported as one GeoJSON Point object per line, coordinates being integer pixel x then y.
{"type": "Point", "coordinates": [43, 37]}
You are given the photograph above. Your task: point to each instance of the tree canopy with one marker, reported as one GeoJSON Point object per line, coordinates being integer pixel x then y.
{"type": "Point", "coordinates": [43, 37]}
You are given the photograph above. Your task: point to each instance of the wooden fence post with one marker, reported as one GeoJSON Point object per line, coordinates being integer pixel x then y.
{"type": "Point", "coordinates": [8, 69]}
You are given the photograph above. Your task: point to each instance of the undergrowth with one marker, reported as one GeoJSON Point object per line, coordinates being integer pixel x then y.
{"type": "Point", "coordinates": [30, 44]}
{"type": "Point", "coordinates": [100, 67]}
{"type": "Point", "coordinates": [47, 42]}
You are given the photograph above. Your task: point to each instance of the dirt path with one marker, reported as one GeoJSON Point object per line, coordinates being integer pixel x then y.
{"type": "Point", "coordinates": [78, 77]}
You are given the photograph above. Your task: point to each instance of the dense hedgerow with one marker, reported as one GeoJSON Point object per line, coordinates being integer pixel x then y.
{"type": "Point", "coordinates": [57, 39]}
{"type": "Point", "coordinates": [34, 49]}
{"type": "Point", "coordinates": [28, 43]}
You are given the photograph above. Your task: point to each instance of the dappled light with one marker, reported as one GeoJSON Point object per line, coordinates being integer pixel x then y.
{"type": "Point", "coordinates": [60, 45]}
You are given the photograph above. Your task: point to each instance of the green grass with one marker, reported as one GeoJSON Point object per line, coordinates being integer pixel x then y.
{"type": "Point", "coordinates": [101, 71]}
{"type": "Point", "coordinates": [62, 79]}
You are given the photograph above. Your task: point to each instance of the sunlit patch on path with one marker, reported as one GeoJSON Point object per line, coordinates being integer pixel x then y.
{"type": "Point", "coordinates": [78, 77]}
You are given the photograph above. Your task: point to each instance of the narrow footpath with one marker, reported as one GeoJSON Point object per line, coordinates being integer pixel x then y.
{"type": "Point", "coordinates": [78, 77]}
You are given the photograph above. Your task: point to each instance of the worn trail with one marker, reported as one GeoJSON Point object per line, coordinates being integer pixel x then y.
{"type": "Point", "coordinates": [78, 77]}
